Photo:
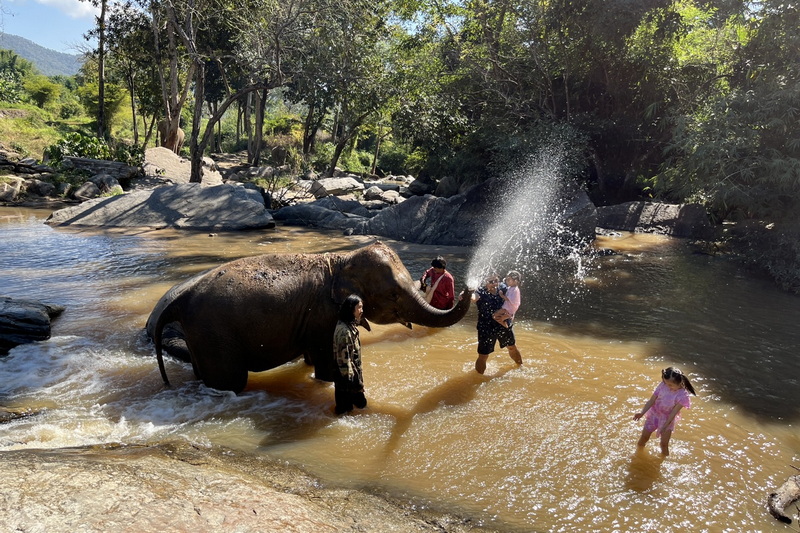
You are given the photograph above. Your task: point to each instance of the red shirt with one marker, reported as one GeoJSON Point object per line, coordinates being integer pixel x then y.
{"type": "Point", "coordinates": [444, 296]}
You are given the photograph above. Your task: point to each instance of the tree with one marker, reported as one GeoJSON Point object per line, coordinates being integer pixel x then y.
{"type": "Point", "coordinates": [130, 60]}
{"type": "Point", "coordinates": [738, 152]}
{"type": "Point", "coordinates": [41, 90]}
{"type": "Point", "coordinates": [100, 33]}
{"type": "Point", "coordinates": [13, 70]}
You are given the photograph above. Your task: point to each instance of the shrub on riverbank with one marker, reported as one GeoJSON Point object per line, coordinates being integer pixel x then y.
{"type": "Point", "coordinates": [773, 248]}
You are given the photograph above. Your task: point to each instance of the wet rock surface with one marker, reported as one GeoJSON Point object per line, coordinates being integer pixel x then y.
{"type": "Point", "coordinates": [176, 487]}
{"type": "Point", "coordinates": [24, 321]}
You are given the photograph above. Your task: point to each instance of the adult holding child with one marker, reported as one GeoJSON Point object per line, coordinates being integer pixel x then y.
{"type": "Point", "coordinates": [488, 300]}
{"type": "Point", "coordinates": [511, 300]}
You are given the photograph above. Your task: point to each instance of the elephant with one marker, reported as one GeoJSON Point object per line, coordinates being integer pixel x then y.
{"type": "Point", "coordinates": [175, 142]}
{"type": "Point", "coordinates": [260, 312]}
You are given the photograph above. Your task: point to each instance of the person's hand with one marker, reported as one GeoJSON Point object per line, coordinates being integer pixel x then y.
{"type": "Point", "coordinates": [637, 416]}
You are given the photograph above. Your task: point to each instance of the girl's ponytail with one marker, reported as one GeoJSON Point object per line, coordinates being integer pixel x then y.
{"type": "Point", "coordinates": [687, 384]}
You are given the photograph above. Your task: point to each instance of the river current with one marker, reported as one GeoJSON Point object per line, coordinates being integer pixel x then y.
{"type": "Point", "coordinates": [549, 446]}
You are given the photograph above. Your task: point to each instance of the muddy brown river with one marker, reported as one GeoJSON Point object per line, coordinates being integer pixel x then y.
{"type": "Point", "coordinates": [549, 446]}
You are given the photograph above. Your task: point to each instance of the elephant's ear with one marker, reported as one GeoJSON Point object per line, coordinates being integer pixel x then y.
{"type": "Point", "coordinates": [342, 285]}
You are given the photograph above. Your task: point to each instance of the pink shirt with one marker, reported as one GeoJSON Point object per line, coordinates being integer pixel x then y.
{"type": "Point", "coordinates": [666, 399]}
{"type": "Point", "coordinates": [514, 299]}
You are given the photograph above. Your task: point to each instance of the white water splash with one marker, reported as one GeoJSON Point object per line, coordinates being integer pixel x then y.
{"type": "Point", "coordinates": [525, 228]}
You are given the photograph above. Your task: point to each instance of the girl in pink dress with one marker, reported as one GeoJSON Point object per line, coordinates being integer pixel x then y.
{"type": "Point", "coordinates": [663, 407]}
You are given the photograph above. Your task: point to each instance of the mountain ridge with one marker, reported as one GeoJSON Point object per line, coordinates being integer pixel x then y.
{"type": "Point", "coordinates": [48, 62]}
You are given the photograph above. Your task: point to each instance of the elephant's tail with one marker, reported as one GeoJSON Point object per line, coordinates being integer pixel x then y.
{"type": "Point", "coordinates": [168, 315]}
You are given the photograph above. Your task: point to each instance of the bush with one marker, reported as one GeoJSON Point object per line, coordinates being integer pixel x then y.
{"type": "Point", "coordinates": [770, 248]}
{"type": "Point", "coordinates": [322, 156]}
{"type": "Point", "coordinates": [42, 91]}
{"type": "Point", "coordinates": [10, 87]}
{"type": "Point", "coordinates": [392, 159]}
{"type": "Point", "coordinates": [92, 147]}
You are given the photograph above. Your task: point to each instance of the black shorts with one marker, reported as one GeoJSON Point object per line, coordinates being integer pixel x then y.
{"type": "Point", "coordinates": [491, 334]}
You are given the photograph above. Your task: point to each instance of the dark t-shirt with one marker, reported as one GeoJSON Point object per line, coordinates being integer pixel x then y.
{"type": "Point", "coordinates": [487, 304]}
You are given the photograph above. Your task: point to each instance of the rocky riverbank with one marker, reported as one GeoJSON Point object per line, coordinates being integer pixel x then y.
{"type": "Point", "coordinates": [179, 488]}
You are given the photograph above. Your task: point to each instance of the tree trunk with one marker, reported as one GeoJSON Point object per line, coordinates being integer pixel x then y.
{"type": "Point", "coordinates": [787, 493]}
{"type": "Point", "coordinates": [101, 71]}
{"type": "Point", "coordinates": [377, 149]}
{"type": "Point", "coordinates": [258, 133]}
{"type": "Point", "coordinates": [337, 153]}
{"type": "Point", "coordinates": [132, 90]}
{"type": "Point", "coordinates": [248, 129]}
{"type": "Point", "coordinates": [195, 150]}
{"type": "Point", "coordinates": [149, 133]}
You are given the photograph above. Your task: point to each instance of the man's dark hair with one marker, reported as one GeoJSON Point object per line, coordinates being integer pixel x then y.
{"type": "Point", "coordinates": [439, 262]}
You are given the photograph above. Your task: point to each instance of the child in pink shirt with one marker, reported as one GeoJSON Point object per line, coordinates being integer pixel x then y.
{"type": "Point", "coordinates": [662, 408]}
{"type": "Point", "coordinates": [511, 300]}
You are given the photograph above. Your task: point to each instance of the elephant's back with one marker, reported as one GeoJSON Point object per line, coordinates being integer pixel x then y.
{"type": "Point", "coordinates": [269, 272]}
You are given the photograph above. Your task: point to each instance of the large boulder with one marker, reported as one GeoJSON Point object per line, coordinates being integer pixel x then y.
{"type": "Point", "coordinates": [335, 186]}
{"type": "Point", "coordinates": [24, 321]}
{"type": "Point", "coordinates": [677, 220]}
{"type": "Point", "coordinates": [463, 219]}
{"type": "Point", "coordinates": [318, 216]}
{"type": "Point", "coordinates": [163, 165]}
{"type": "Point", "coordinates": [186, 206]}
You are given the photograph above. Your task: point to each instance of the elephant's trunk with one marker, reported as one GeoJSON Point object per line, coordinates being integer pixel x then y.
{"type": "Point", "coordinates": [418, 311]}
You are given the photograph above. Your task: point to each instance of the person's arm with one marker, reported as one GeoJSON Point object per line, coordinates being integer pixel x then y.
{"type": "Point", "coordinates": [425, 275]}
{"type": "Point", "coordinates": [671, 417]}
{"type": "Point", "coordinates": [646, 407]}
{"type": "Point", "coordinates": [343, 352]}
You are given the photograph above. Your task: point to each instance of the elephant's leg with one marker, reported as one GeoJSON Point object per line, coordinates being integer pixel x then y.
{"type": "Point", "coordinates": [221, 373]}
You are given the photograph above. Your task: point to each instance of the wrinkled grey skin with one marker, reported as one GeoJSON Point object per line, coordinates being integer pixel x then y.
{"type": "Point", "coordinates": [260, 312]}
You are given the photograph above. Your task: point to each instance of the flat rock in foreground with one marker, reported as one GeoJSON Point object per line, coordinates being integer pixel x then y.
{"type": "Point", "coordinates": [178, 488]}
{"type": "Point", "coordinates": [184, 206]}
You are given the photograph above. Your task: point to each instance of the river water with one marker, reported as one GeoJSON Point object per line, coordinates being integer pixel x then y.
{"type": "Point", "coordinates": [549, 446]}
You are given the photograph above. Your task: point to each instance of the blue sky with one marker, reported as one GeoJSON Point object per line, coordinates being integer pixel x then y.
{"type": "Point", "coordinates": [55, 24]}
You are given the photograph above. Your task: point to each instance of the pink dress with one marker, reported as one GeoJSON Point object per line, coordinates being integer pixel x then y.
{"type": "Point", "coordinates": [666, 399]}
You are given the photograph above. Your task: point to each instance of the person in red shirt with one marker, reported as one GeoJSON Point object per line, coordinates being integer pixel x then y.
{"type": "Point", "coordinates": [438, 285]}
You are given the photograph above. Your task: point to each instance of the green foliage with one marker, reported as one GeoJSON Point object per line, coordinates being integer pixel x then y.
{"type": "Point", "coordinates": [28, 129]}
{"type": "Point", "coordinates": [90, 146]}
{"type": "Point", "coordinates": [70, 106]}
{"type": "Point", "coordinates": [738, 152]}
{"type": "Point", "coordinates": [42, 91]}
{"type": "Point", "coordinates": [78, 145]}
{"type": "Point", "coordinates": [393, 159]}
{"type": "Point", "coordinates": [13, 71]}
{"type": "Point", "coordinates": [322, 156]}
{"type": "Point", "coordinates": [11, 62]}
{"type": "Point", "coordinates": [10, 87]}
{"type": "Point", "coordinates": [115, 99]}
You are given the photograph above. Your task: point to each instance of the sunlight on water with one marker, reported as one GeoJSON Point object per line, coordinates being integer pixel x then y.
{"type": "Point", "coordinates": [549, 446]}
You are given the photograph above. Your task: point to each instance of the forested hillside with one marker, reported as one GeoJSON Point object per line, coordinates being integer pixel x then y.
{"type": "Point", "coordinates": [48, 62]}
{"type": "Point", "coordinates": [684, 101]}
